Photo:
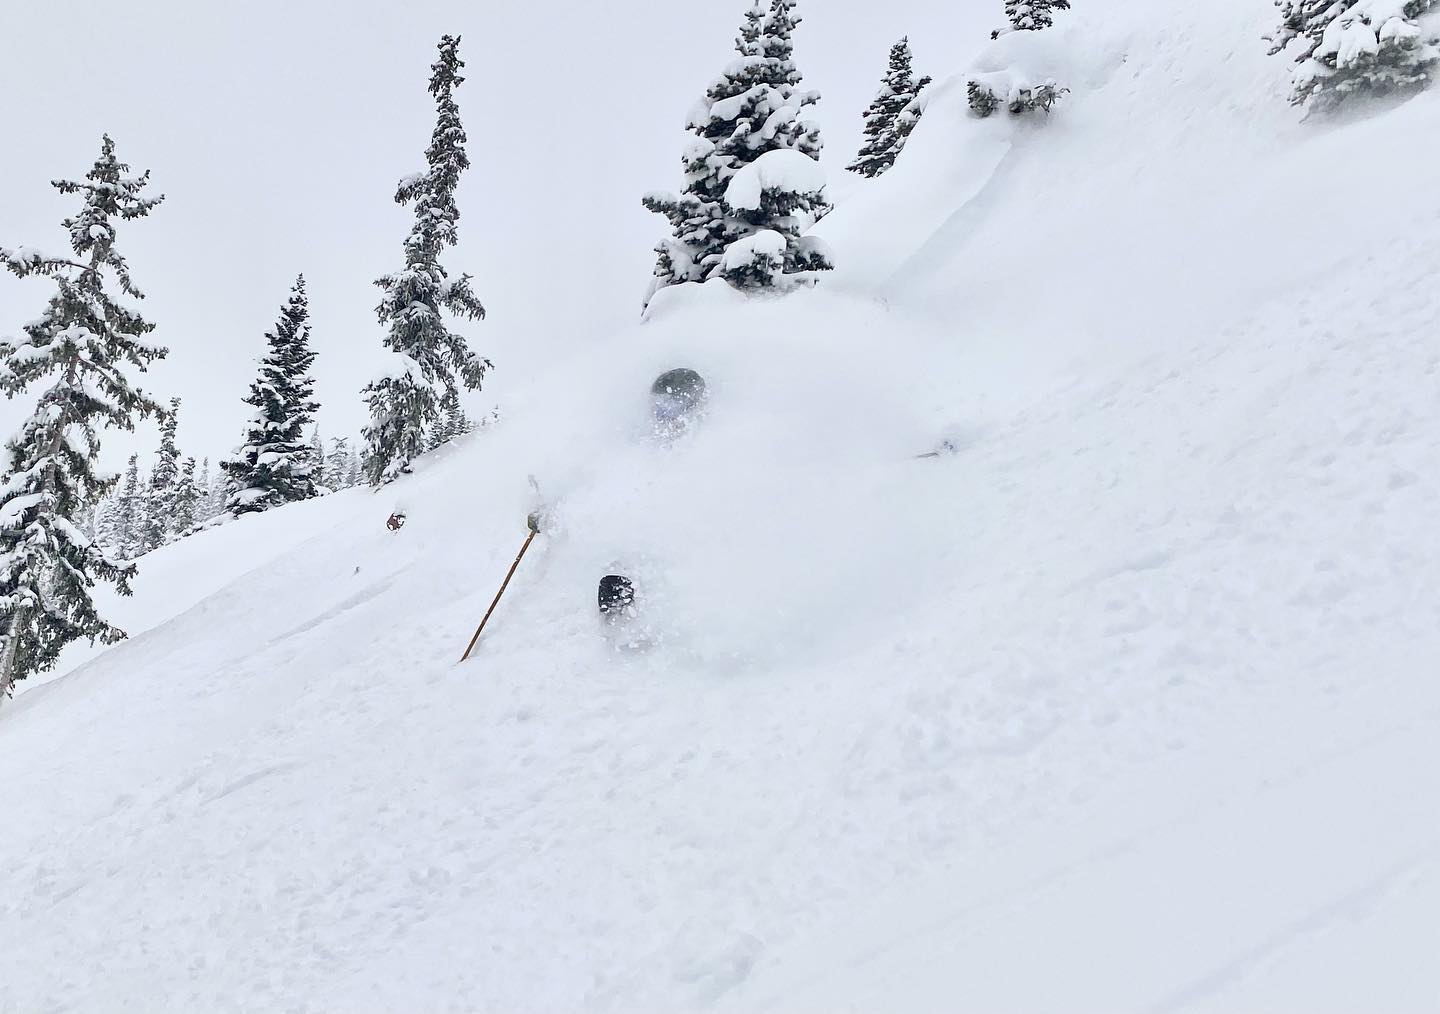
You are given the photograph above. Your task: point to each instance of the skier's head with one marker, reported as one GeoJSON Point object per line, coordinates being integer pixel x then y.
{"type": "Point", "coordinates": [676, 394]}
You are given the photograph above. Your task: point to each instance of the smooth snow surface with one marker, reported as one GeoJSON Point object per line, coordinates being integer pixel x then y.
{"type": "Point", "coordinates": [1129, 703]}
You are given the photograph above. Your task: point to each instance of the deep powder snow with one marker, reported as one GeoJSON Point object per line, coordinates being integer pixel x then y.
{"type": "Point", "coordinates": [1125, 700]}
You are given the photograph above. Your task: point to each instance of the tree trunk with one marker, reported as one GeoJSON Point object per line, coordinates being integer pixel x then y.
{"type": "Point", "coordinates": [7, 659]}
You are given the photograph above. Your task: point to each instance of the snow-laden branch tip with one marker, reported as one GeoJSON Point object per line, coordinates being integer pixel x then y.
{"type": "Point", "coordinates": [785, 171]}
{"type": "Point", "coordinates": [761, 246]}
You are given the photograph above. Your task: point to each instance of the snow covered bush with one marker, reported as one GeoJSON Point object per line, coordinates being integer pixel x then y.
{"type": "Point", "coordinates": [988, 92]}
{"type": "Point", "coordinates": [754, 109]}
{"type": "Point", "coordinates": [891, 116]}
{"type": "Point", "coordinates": [983, 101]}
{"type": "Point", "coordinates": [1348, 47]}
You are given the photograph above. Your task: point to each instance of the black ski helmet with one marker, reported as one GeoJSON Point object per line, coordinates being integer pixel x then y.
{"type": "Point", "coordinates": [617, 594]}
{"type": "Point", "coordinates": [677, 393]}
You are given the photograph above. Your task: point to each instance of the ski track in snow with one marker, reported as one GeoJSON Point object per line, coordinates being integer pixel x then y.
{"type": "Point", "coordinates": [1347, 908]}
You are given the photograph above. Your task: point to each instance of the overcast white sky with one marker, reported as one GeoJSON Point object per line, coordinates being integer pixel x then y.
{"type": "Point", "coordinates": [277, 130]}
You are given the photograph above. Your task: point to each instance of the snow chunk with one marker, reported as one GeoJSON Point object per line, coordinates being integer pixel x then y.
{"type": "Point", "coordinates": [22, 256]}
{"type": "Point", "coordinates": [731, 108]}
{"type": "Point", "coordinates": [16, 506]}
{"type": "Point", "coordinates": [697, 149]}
{"type": "Point", "coordinates": [249, 496]}
{"type": "Point", "coordinates": [764, 244]}
{"type": "Point", "coordinates": [785, 170]}
{"type": "Point", "coordinates": [1398, 31]}
{"type": "Point", "coordinates": [1352, 42]}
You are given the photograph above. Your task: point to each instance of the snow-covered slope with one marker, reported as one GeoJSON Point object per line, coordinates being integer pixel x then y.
{"type": "Point", "coordinates": [1130, 703]}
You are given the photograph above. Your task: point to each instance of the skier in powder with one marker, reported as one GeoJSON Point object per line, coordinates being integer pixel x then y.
{"type": "Point", "coordinates": [676, 400]}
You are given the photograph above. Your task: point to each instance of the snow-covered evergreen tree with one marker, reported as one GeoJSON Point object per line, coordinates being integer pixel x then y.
{"type": "Point", "coordinates": [202, 491]}
{"type": "Point", "coordinates": [107, 529]}
{"type": "Point", "coordinates": [89, 522]}
{"type": "Point", "coordinates": [441, 432]}
{"type": "Point", "coordinates": [1348, 47]}
{"type": "Point", "coordinates": [337, 465]}
{"type": "Point", "coordinates": [210, 503]}
{"type": "Point", "coordinates": [217, 495]}
{"type": "Point", "coordinates": [892, 115]}
{"type": "Point", "coordinates": [747, 43]}
{"type": "Point", "coordinates": [149, 529]}
{"type": "Point", "coordinates": [317, 460]}
{"type": "Point", "coordinates": [778, 193]}
{"type": "Point", "coordinates": [753, 109]}
{"type": "Point", "coordinates": [274, 465]}
{"type": "Point", "coordinates": [452, 423]}
{"type": "Point", "coordinates": [1030, 15]}
{"type": "Point", "coordinates": [187, 503]}
{"type": "Point", "coordinates": [80, 346]}
{"type": "Point", "coordinates": [432, 359]}
{"type": "Point", "coordinates": [126, 505]}
{"type": "Point", "coordinates": [456, 421]}
{"type": "Point", "coordinates": [154, 525]}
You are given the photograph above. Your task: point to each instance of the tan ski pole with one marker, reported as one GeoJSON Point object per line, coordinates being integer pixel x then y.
{"type": "Point", "coordinates": [534, 522]}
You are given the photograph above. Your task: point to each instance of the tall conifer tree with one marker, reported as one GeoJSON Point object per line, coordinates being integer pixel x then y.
{"type": "Point", "coordinates": [106, 530]}
{"type": "Point", "coordinates": [891, 116]}
{"type": "Point", "coordinates": [187, 503]}
{"type": "Point", "coordinates": [127, 513]}
{"type": "Point", "coordinates": [433, 361]}
{"type": "Point", "coordinates": [457, 423]}
{"type": "Point", "coordinates": [217, 494]}
{"type": "Point", "coordinates": [157, 509]}
{"type": "Point", "coordinates": [754, 108]}
{"type": "Point", "coordinates": [209, 503]}
{"type": "Point", "coordinates": [453, 421]}
{"type": "Point", "coordinates": [275, 464]}
{"type": "Point", "coordinates": [317, 460]}
{"type": "Point", "coordinates": [81, 346]}
{"type": "Point", "coordinates": [337, 465]}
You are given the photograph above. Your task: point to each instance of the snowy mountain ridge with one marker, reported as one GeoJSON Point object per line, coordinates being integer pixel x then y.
{"type": "Point", "coordinates": [1127, 703]}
